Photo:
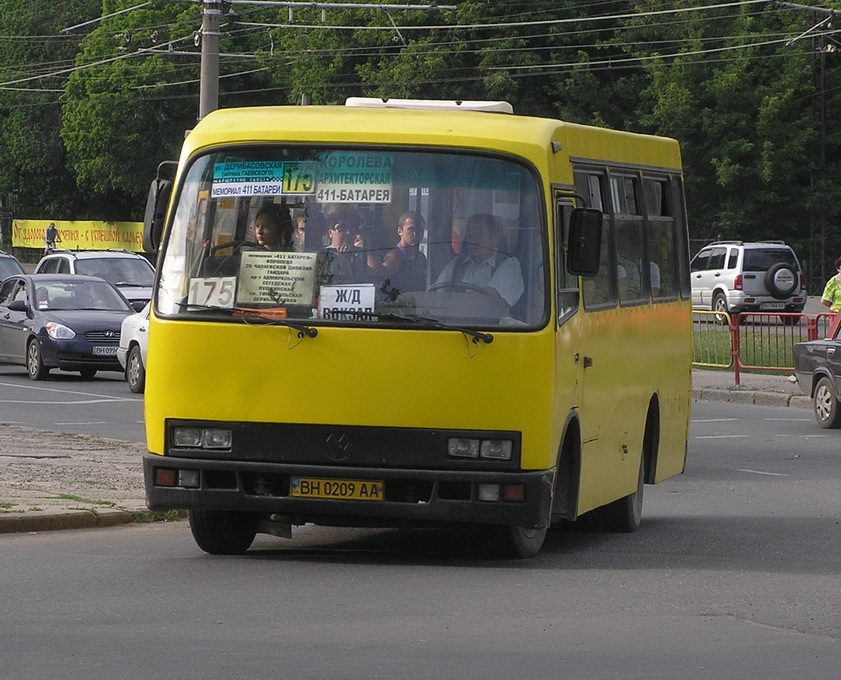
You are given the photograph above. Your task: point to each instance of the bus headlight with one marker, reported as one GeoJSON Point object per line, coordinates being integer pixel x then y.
{"type": "Point", "coordinates": [204, 438]}
{"type": "Point", "coordinates": [463, 448]}
{"type": "Point", "coordinates": [497, 449]}
{"type": "Point", "coordinates": [493, 449]}
{"type": "Point", "coordinates": [216, 438]}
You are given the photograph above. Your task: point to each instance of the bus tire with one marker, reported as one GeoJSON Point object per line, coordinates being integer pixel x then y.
{"type": "Point", "coordinates": [623, 516]}
{"type": "Point", "coordinates": [827, 411]}
{"type": "Point", "coordinates": [221, 532]}
{"type": "Point", "coordinates": [517, 542]}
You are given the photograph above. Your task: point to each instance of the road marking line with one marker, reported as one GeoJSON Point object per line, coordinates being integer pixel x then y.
{"type": "Point", "coordinates": [715, 420]}
{"type": "Point", "coordinates": [721, 436]}
{"type": "Point", "coordinates": [52, 389]}
{"type": "Point", "coordinates": [67, 403]}
{"type": "Point", "coordinates": [94, 422]}
{"type": "Point", "coordinates": [760, 472]}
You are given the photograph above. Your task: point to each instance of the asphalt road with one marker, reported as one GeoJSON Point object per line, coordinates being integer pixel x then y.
{"type": "Point", "coordinates": [734, 574]}
{"type": "Point", "coordinates": [102, 406]}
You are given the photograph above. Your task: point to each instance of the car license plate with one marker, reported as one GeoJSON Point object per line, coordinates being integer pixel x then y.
{"type": "Point", "coordinates": [103, 351]}
{"type": "Point", "coordinates": [337, 489]}
{"type": "Point", "coordinates": [775, 306]}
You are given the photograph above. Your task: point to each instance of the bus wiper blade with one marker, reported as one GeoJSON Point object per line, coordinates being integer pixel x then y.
{"type": "Point", "coordinates": [303, 329]}
{"type": "Point", "coordinates": [478, 336]}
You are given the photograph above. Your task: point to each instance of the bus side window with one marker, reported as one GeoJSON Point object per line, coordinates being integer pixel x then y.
{"type": "Point", "coordinates": [661, 244]}
{"type": "Point", "coordinates": [631, 271]}
{"type": "Point", "coordinates": [599, 291]}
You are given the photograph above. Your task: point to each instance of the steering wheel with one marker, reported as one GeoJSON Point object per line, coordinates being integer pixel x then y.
{"type": "Point", "coordinates": [458, 285]}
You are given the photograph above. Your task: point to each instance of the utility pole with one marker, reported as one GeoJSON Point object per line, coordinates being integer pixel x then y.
{"type": "Point", "coordinates": [210, 33]}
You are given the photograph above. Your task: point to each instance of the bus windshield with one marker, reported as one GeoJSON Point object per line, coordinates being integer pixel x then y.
{"type": "Point", "coordinates": [357, 236]}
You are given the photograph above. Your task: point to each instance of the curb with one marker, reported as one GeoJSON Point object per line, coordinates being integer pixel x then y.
{"type": "Point", "coordinates": [756, 398]}
{"type": "Point", "coordinates": [56, 520]}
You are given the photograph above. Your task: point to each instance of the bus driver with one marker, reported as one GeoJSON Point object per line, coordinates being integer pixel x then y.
{"type": "Point", "coordinates": [483, 262]}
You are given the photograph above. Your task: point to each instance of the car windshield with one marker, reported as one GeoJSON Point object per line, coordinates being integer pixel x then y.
{"type": "Point", "coordinates": [761, 259]}
{"type": "Point", "coordinates": [9, 267]}
{"type": "Point", "coordinates": [78, 295]}
{"type": "Point", "coordinates": [357, 236]}
{"type": "Point", "coordinates": [121, 271]}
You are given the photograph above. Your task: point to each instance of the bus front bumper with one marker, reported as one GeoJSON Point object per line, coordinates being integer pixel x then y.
{"type": "Point", "coordinates": [406, 497]}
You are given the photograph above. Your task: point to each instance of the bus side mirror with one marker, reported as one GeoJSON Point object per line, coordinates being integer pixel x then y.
{"type": "Point", "coordinates": [585, 241]}
{"type": "Point", "coordinates": [153, 221]}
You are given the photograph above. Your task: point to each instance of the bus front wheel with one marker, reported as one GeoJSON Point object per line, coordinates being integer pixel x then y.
{"type": "Point", "coordinates": [519, 542]}
{"type": "Point", "coordinates": [221, 532]}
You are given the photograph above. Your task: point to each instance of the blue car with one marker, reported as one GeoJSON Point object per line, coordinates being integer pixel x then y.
{"type": "Point", "coordinates": [62, 321]}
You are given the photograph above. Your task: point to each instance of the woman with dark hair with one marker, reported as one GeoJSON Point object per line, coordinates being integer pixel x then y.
{"type": "Point", "coordinates": [273, 228]}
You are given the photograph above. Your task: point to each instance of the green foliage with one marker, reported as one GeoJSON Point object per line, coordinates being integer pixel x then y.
{"type": "Point", "coordinates": [751, 105]}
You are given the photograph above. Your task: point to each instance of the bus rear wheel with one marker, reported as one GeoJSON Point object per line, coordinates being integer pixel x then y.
{"type": "Point", "coordinates": [517, 542]}
{"type": "Point", "coordinates": [221, 532]}
{"type": "Point", "coordinates": [623, 516]}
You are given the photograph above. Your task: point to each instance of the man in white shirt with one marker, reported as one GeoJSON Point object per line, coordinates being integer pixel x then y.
{"type": "Point", "coordinates": [484, 264]}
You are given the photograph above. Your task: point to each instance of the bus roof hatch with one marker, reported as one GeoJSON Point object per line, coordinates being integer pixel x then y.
{"type": "Point", "coordinates": [436, 104]}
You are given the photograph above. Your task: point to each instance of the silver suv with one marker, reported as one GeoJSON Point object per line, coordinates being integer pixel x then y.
{"type": "Point", "coordinates": [129, 272]}
{"type": "Point", "coordinates": [732, 276]}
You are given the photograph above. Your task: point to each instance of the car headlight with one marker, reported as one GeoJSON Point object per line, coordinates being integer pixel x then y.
{"type": "Point", "coordinates": [58, 331]}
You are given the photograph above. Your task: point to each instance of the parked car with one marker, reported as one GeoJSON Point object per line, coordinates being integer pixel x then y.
{"type": "Point", "coordinates": [9, 265]}
{"type": "Point", "coordinates": [817, 366]}
{"type": "Point", "coordinates": [733, 276]}
{"type": "Point", "coordinates": [134, 340]}
{"type": "Point", "coordinates": [130, 272]}
{"type": "Point", "coordinates": [69, 322]}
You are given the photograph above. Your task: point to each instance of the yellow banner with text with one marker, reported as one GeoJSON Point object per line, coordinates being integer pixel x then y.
{"type": "Point", "coordinates": [79, 235]}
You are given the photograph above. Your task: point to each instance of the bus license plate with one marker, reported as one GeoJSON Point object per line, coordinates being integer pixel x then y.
{"type": "Point", "coordinates": [337, 489]}
{"type": "Point", "coordinates": [102, 351]}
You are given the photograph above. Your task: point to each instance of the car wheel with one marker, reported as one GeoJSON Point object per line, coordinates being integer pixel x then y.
{"type": "Point", "coordinates": [790, 320]}
{"type": "Point", "coordinates": [827, 412]}
{"type": "Point", "coordinates": [135, 373]}
{"type": "Point", "coordinates": [34, 363]}
{"type": "Point", "coordinates": [720, 308]}
{"type": "Point", "coordinates": [88, 372]}
{"type": "Point", "coordinates": [221, 532]}
{"type": "Point", "coordinates": [781, 280]}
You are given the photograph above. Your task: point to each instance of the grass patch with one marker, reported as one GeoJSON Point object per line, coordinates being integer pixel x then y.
{"type": "Point", "coordinates": [151, 517]}
{"type": "Point", "coordinates": [88, 501]}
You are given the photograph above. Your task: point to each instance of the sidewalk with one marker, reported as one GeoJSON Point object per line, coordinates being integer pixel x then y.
{"type": "Point", "coordinates": [763, 390]}
{"type": "Point", "coordinates": [62, 481]}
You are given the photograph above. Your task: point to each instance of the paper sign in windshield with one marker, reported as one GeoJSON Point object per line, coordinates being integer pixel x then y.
{"type": "Point", "coordinates": [262, 178]}
{"type": "Point", "coordinates": [279, 279]}
{"type": "Point", "coordinates": [353, 301]}
{"type": "Point", "coordinates": [354, 177]}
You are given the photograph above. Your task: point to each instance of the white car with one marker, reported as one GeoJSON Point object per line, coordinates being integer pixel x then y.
{"type": "Point", "coordinates": [130, 272]}
{"type": "Point", "coordinates": [134, 341]}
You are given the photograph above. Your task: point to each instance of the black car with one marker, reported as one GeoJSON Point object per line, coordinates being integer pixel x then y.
{"type": "Point", "coordinates": [61, 321]}
{"type": "Point", "coordinates": [817, 365]}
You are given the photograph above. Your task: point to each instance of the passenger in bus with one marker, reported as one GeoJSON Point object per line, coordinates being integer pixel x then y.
{"type": "Point", "coordinates": [341, 261]}
{"type": "Point", "coordinates": [484, 263]}
{"type": "Point", "coordinates": [309, 232]}
{"type": "Point", "coordinates": [273, 228]}
{"type": "Point", "coordinates": [405, 265]}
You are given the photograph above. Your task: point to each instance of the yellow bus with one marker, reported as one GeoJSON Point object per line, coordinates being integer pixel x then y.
{"type": "Point", "coordinates": [408, 313]}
